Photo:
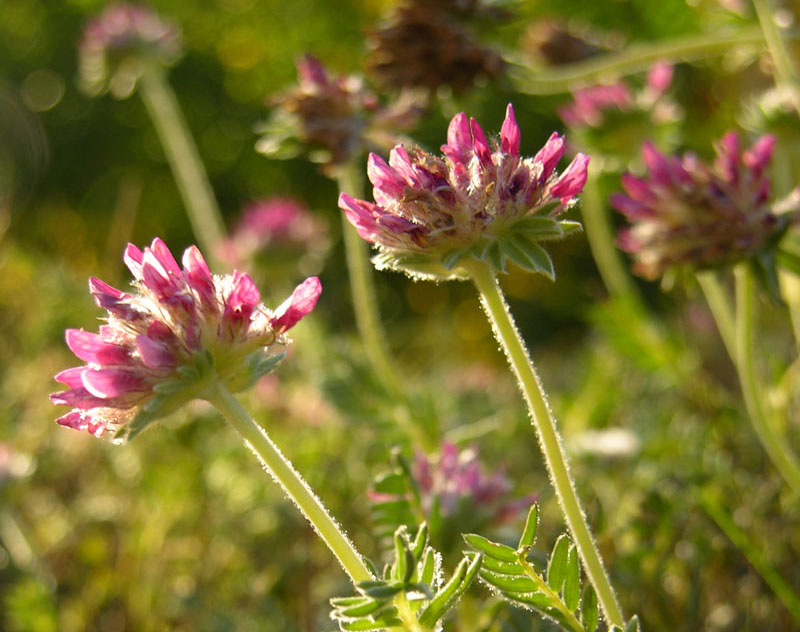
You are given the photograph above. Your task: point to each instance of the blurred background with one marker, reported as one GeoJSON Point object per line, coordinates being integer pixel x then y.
{"type": "Point", "coordinates": [181, 530]}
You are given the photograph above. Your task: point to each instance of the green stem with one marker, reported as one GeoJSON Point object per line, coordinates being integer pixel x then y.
{"type": "Point", "coordinates": [295, 487]}
{"type": "Point", "coordinates": [601, 238]}
{"type": "Point", "coordinates": [635, 58]}
{"type": "Point", "coordinates": [569, 617]}
{"type": "Point", "coordinates": [549, 440]}
{"type": "Point", "coordinates": [784, 72]}
{"type": "Point", "coordinates": [183, 158]}
{"type": "Point", "coordinates": [721, 309]}
{"type": "Point", "coordinates": [775, 445]}
{"type": "Point", "coordinates": [362, 288]}
{"type": "Point", "coordinates": [756, 558]}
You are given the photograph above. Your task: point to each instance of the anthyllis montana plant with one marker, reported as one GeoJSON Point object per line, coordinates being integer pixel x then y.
{"type": "Point", "coordinates": [687, 215]}
{"type": "Point", "coordinates": [183, 334]}
{"type": "Point", "coordinates": [477, 201]}
{"type": "Point", "coordinates": [463, 215]}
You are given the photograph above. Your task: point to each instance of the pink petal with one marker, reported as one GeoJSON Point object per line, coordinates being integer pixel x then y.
{"type": "Point", "coordinates": [199, 277]}
{"type": "Point", "coordinates": [112, 300]}
{"type": "Point", "coordinates": [240, 303]}
{"type": "Point", "coordinates": [92, 348]}
{"type": "Point", "coordinates": [154, 354]}
{"type": "Point", "coordinates": [79, 398]}
{"type": "Point", "coordinates": [550, 154]}
{"type": "Point", "coordinates": [360, 214]}
{"type": "Point", "coordinates": [480, 144]}
{"type": "Point", "coordinates": [71, 377]}
{"type": "Point", "coordinates": [637, 188]}
{"type": "Point", "coordinates": [630, 208]}
{"type": "Point", "coordinates": [133, 259]}
{"type": "Point", "coordinates": [759, 155]}
{"type": "Point", "coordinates": [659, 168]}
{"type": "Point", "coordinates": [164, 256]}
{"type": "Point", "coordinates": [110, 383]}
{"type": "Point", "coordinates": [388, 182]}
{"type": "Point", "coordinates": [659, 77]}
{"type": "Point", "coordinates": [572, 181]}
{"type": "Point", "coordinates": [509, 133]}
{"type": "Point", "coordinates": [728, 157]}
{"type": "Point", "coordinates": [310, 70]}
{"type": "Point", "coordinates": [459, 139]}
{"type": "Point", "coordinates": [300, 303]}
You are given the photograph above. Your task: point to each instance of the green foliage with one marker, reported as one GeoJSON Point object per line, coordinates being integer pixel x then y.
{"type": "Point", "coordinates": [556, 593]}
{"type": "Point", "coordinates": [413, 586]}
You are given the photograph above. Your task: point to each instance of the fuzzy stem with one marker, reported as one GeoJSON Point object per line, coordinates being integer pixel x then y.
{"type": "Point", "coordinates": [601, 239]}
{"type": "Point", "coordinates": [549, 440]}
{"type": "Point", "coordinates": [293, 485]}
{"type": "Point", "coordinates": [635, 58]}
{"type": "Point", "coordinates": [778, 450]}
{"type": "Point", "coordinates": [721, 309]}
{"type": "Point", "coordinates": [362, 289]}
{"type": "Point", "coordinates": [184, 159]}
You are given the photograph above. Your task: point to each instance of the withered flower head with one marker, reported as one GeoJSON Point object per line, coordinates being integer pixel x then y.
{"type": "Point", "coordinates": [333, 117]}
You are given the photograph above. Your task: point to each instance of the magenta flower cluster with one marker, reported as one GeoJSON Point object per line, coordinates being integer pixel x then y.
{"type": "Point", "coordinates": [163, 344]}
{"type": "Point", "coordinates": [685, 212]}
{"type": "Point", "coordinates": [432, 205]}
{"type": "Point", "coordinates": [456, 477]}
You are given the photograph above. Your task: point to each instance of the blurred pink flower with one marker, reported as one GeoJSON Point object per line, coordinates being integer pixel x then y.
{"type": "Point", "coordinates": [434, 205]}
{"type": "Point", "coordinates": [268, 223]}
{"type": "Point", "coordinates": [116, 44]}
{"type": "Point", "coordinates": [685, 212]}
{"type": "Point", "coordinates": [591, 105]}
{"type": "Point", "coordinates": [168, 341]}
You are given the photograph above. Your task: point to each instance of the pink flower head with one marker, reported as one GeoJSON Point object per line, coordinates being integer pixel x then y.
{"type": "Point", "coordinates": [591, 106]}
{"type": "Point", "coordinates": [474, 200]}
{"type": "Point", "coordinates": [163, 344]}
{"type": "Point", "coordinates": [268, 223]}
{"type": "Point", "coordinates": [455, 479]}
{"type": "Point", "coordinates": [336, 117]}
{"type": "Point", "coordinates": [686, 212]}
{"type": "Point", "coordinates": [119, 41]}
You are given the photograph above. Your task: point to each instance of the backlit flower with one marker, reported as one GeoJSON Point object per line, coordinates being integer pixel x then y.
{"type": "Point", "coordinates": [685, 212]}
{"type": "Point", "coordinates": [167, 341]}
{"type": "Point", "coordinates": [119, 42]}
{"type": "Point", "coordinates": [479, 199]}
{"type": "Point", "coordinates": [334, 117]}
{"type": "Point", "coordinates": [269, 224]}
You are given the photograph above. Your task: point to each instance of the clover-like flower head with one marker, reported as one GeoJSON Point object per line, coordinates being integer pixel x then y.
{"type": "Point", "coordinates": [119, 42]}
{"type": "Point", "coordinates": [334, 117]}
{"type": "Point", "coordinates": [478, 200]}
{"type": "Point", "coordinates": [166, 342]}
{"type": "Point", "coordinates": [686, 212]}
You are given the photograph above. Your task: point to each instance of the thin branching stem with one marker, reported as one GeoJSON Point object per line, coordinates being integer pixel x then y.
{"type": "Point", "coordinates": [760, 414]}
{"type": "Point", "coordinates": [184, 159]}
{"type": "Point", "coordinates": [635, 58]}
{"type": "Point", "coordinates": [549, 440]}
{"type": "Point", "coordinates": [293, 485]}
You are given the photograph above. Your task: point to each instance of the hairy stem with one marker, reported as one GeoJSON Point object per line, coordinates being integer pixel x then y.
{"type": "Point", "coordinates": [634, 58]}
{"type": "Point", "coordinates": [761, 417]}
{"type": "Point", "coordinates": [362, 289]}
{"type": "Point", "coordinates": [183, 158]}
{"type": "Point", "coordinates": [293, 485]}
{"type": "Point", "coordinates": [549, 440]}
